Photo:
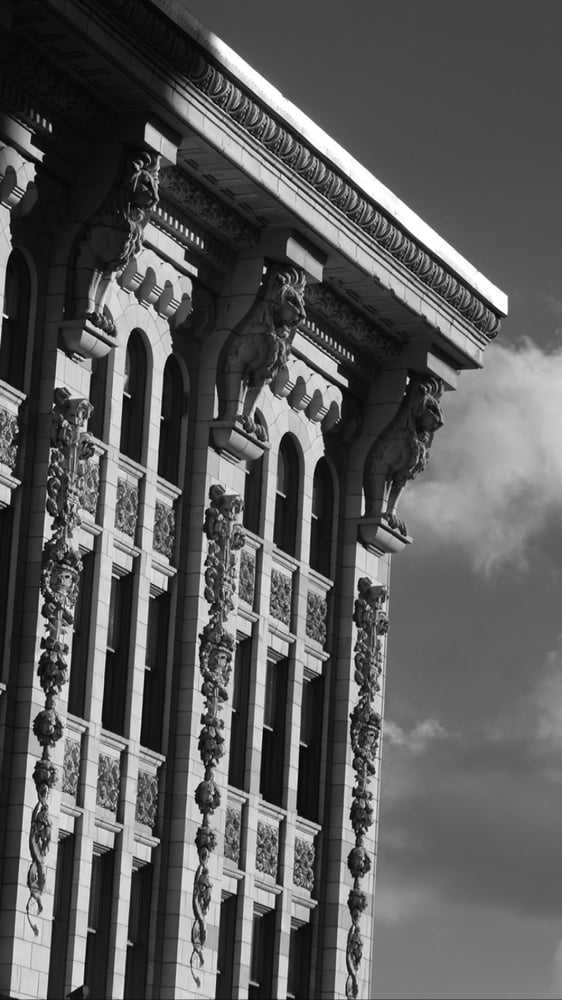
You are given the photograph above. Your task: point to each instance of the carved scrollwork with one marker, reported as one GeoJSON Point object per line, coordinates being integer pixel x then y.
{"type": "Point", "coordinates": [365, 725]}
{"type": "Point", "coordinates": [216, 650]}
{"type": "Point", "coordinates": [267, 849]}
{"type": "Point", "coordinates": [280, 598]}
{"type": "Point", "coordinates": [146, 808]}
{"type": "Point", "coordinates": [316, 614]}
{"type": "Point", "coordinates": [164, 529]}
{"type": "Point", "coordinates": [402, 450]}
{"type": "Point", "coordinates": [71, 447]}
{"type": "Point", "coordinates": [71, 770]}
{"type": "Point", "coordinates": [259, 346]}
{"type": "Point", "coordinates": [247, 582]}
{"type": "Point", "coordinates": [109, 777]}
{"type": "Point", "coordinates": [303, 871]}
{"type": "Point", "coordinates": [232, 835]}
{"type": "Point", "coordinates": [127, 507]}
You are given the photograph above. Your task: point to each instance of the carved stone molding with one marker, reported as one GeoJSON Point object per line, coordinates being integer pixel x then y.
{"type": "Point", "coordinates": [365, 726]}
{"type": "Point", "coordinates": [280, 598]}
{"type": "Point", "coordinates": [9, 431]}
{"type": "Point", "coordinates": [146, 808]}
{"type": "Point", "coordinates": [324, 301]}
{"type": "Point", "coordinates": [401, 451]}
{"type": "Point", "coordinates": [71, 447]}
{"type": "Point", "coordinates": [109, 777]}
{"type": "Point", "coordinates": [127, 507]}
{"type": "Point", "coordinates": [303, 871]}
{"type": "Point", "coordinates": [216, 651]}
{"type": "Point", "coordinates": [267, 849]}
{"type": "Point", "coordinates": [164, 529]}
{"type": "Point", "coordinates": [247, 581]}
{"type": "Point", "coordinates": [71, 769]}
{"type": "Point", "coordinates": [232, 835]}
{"type": "Point", "coordinates": [255, 353]}
{"type": "Point", "coordinates": [210, 211]}
{"type": "Point", "coordinates": [199, 68]}
{"type": "Point", "coordinates": [316, 614]}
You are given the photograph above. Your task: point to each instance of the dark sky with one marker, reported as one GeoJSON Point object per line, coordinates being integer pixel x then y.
{"type": "Point", "coordinates": [456, 107]}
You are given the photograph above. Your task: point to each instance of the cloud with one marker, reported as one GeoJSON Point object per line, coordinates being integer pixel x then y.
{"type": "Point", "coordinates": [494, 478]}
{"type": "Point", "coordinates": [417, 740]}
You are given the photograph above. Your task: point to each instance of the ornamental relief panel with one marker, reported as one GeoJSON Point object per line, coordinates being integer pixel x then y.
{"type": "Point", "coordinates": [8, 433]}
{"type": "Point", "coordinates": [247, 581]}
{"type": "Point", "coordinates": [232, 835]}
{"type": "Point", "coordinates": [267, 849]}
{"type": "Point", "coordinates": [303, 871]}
{"type": "Point", "coordinates": [89, 493]}
{"type": "Point", "coordinates": [71, 767]}
{"type": "Point", "coordinates": [109, 776]}
{"type": "Point", "coordinates": [164, 529]}
{"type": "Point", "coordinates": [146, 809]}
{"type": "Point", "coordinates": [281, 597]}
{"type": "Point", "coordinates": [316, 614]}
{"type": "Point", "coordinates": [127, 507]}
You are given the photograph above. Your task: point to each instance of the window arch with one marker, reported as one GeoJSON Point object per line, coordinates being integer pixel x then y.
{"type": "Point", "coordinates": [322, 516]}
{"type": "Point", "coordinates": [171, 414]}
{"type": "Point", "coordinates": [15, 318]}
{"type": "Point", "coordinates": [134, 391]}
{"type": "Point", "coordinates": [286, 497]}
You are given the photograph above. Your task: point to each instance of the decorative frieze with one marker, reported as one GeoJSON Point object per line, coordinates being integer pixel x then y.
{"type": "Point", "coordinates": [316, 614]}
{"type": "Point", "coordinates": [350, 323]}
{"type": "Point", "coordinates": [8, 434]}
{"type": "Point", "coordinates": [71, 447]}
{"type": "Point", "coordinates": [216, 651]}
{"type": "Point", "coordinates": [372, 626]}
{"type": "Point", "coordinates": [211, 212]}
{"type": "Point", "coordinates": [127, 507]}
{"type": "Point", "coordinates": [303, 870]}
{"type": "Point", "coordinates": [71, 767]}
{"type": "Point", "coordinates": [267, 849]}
{"type": "Point", "coordinates": [146, 809]}
{"type": "Point", "coordinates": [164, 529]}
{"type": "Point", "coordinates": [91, 487]}
{"type": "Point", "coordinates": [280, 598]}
{"type": "Point", "coordinates": [232, 835]}
{"type": "Point", "coordinates": [247, 582]}
{"type": "Point", "coordinates": [109, 776]}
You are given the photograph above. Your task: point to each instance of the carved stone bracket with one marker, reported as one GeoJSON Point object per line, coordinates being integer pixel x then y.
{"type": "Point", "coordinates": [216, 651]}
{"type": "Point", "coordinates": [399, 453]}
{"type": "Point", "coordinates": [372, 626]}
{"type": "Point", "coordinates": [71, 447]}
{"type": "Point", "coordinates": [256, 351]}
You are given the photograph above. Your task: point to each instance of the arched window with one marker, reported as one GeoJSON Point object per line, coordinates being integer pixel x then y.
{"type": "Point", "coordinates": [173, 408]}
{"type": "Point", "coordinates": [321, 525]}
{"type": "Point", "coordinates": [287, 491]}
{"type": "Point", "coordinates": [134, 389]}
{"type": "Point", "coordinates": [15, 316]}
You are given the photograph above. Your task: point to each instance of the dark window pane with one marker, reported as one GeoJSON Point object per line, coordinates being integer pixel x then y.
{"type": "Point", "coordinates": [15, 319]}
{"type": "Point", "coordinates": [273, 737]}
{"type": "Point", "coordinates": [117, 655]}
{"type": "Point", "coordinates": [225, 957]}
{"type": "Point", "coordinates": [99, 922]}
{"type": "Point", "coordinates": [239, 724]}
{"type": "Point", "coordinates": [322, 519]}
{"type": "Point", "coordinates": [80, 639]}
{"type": "Point", "coordinates": [134, 387]}
{"type": "Point", "coordinates": [173, 408]}
{"type": "Point", "coordinates": [138, 933]}
{"type": "Point", "coordinates": [286, 500]}
{"type": "Point", "coordinates": [155, 672]}
{"type": "Point", "coordinates": [61, 914]}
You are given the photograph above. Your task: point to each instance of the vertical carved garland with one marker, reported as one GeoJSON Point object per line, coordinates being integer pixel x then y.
{"type": "Point", "coordinates": [372, 624]}
{"type": "Point", "coordinates": [215, 662]}
{"type": "Point", "coordinates": [71, 447]}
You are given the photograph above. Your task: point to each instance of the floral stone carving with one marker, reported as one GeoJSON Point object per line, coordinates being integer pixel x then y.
{"type": "Point", "coordinates": [259, 346]}
{"type": "Point", "coordinates": [316, 614]}
{"type": "Point", "coordinates": [8, 434]}
{"type": "Point", "coordinates": [247, 582]}
{"type": "Point", "coordinates": [146, 809]}
{"type": "Point", "coordinates": [91, 488]}
{"type": "Point", "coordinates": [109, 775]}
{"type": "Point", "coordinates": [216, 652]}
{"type": "Point", "coordinates": [127, 507]}
{"type": "Point", "coordinates": [232, 835]}
{"type": "Point", "coordinates": [303, 871]}
{"type": "Point", "coordinates": [71, 769]}
{"type": "Point", "coordinates": [267, 849]}
{"type": "Point", "coordinates": [164, 529]}
{"type": "Point", "coordinates": [372, 625]}
{"type": "Point", "coordinates": [71, 447]}
{"type": "Point", "coordinates": [281, 596]}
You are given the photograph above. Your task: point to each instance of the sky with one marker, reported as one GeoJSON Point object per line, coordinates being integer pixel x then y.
{"type": "Point", "coordinates": [456, 107]}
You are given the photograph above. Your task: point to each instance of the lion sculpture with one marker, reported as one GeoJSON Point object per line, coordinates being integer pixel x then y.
{"type": "Point", "coordinates": [402, 449]}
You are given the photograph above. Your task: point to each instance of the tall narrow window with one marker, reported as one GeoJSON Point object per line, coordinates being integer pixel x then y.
{"type": "Point", "coordinates": [134, 389]}
{"type": "Point", "coordinates": [117, 654]}
{"type": "Point", "coordinates": [80, 643]}
{"type": "Point", "coordinates": [273, 738]}
{"type": "Point", "coordinates": [6, 543]}
{"type": "Point", "coordinates": [225, 957]}
{"type": "Point", "coordinates": [239, 723]}
{"type": "Point", "coordinates": [155, 671]}
{"type": "Point", "coordinates": [322, 512]}
{"type": "Point", "coordinates": [286, 497]}
{"type": "Point", "coordinates": [137, 937]}
{"type": "Point", "coordinates": [298, 987]}
{"type": "Point", "coordinates": [310, 748]}
{"type": "Point", "coordinates": [99, 922]}
{"type": "Point", "coordinates": [98, 381]}
{"type": "Point", "coordinates": [253, 488]}
{"type": "Point", "coordinates": [173, 408]}
{"type": "Point", "coordinates": [261, 965]}
{"type": "Point", "coordinates": [61, 915]}
{"type": "Point", "coordinates": [15, 316]}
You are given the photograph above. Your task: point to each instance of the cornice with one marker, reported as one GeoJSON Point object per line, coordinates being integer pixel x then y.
{"type": "Point", "coordinates": [323, 302]}
{"type": "Point", "coordinates": [193, 62]}
{"type": "Point", "coordinates": [211, 212]}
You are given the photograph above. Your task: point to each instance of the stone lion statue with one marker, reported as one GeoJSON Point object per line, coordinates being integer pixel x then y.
{"type": "Point", "coordinates": [259, 346]}
{"type": "Point", "coordinates": [402, 450]}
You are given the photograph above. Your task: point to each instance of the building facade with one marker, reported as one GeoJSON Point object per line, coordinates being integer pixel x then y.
{"type": "Point", "coordinates": [223, 352]}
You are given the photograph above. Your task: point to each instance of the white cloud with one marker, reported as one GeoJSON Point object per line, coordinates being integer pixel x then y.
{"type": "Point", "coordinates": [495, 473]}
{"type": "Point", "coordinates": [419, 737]}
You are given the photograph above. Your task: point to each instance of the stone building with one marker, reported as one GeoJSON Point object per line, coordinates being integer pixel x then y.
{"type": "Point", "coordinates": [222, 356]}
